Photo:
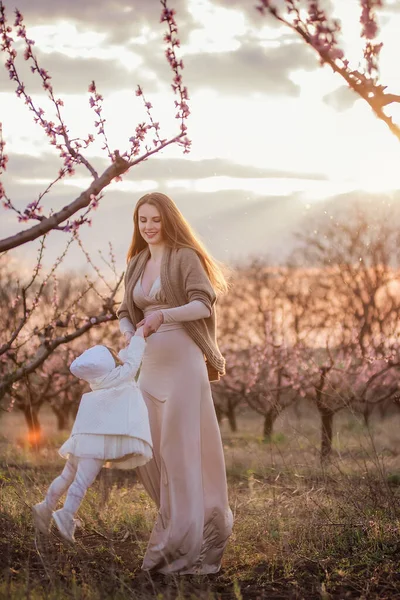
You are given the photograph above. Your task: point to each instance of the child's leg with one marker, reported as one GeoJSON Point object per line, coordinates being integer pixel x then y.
{"type": "Point", "coordinates": [86, 473]}
{"type": "Point", "coordinates": [61, 483]}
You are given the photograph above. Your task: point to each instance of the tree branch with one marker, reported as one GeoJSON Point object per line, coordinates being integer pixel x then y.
{"type": "Point", "coordinates": [119, 167]}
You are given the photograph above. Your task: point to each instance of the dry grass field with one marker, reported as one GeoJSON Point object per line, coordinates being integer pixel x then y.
{"type": "Point", "coordinates": [301, 531]}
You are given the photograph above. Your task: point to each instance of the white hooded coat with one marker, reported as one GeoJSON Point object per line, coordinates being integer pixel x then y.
{"type": "Point", "coordinates": [112, 422]}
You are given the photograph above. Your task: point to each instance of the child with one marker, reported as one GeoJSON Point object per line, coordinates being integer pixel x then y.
{"type": "Point", "coordinates": [111, 425]}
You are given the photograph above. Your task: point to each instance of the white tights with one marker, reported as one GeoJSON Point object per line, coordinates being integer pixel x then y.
{"type": "Point", "coordinates": [77, 476]}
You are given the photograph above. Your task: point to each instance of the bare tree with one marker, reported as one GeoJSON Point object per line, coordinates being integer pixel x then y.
{"type": "Point", "coordinates": [359, 277]}
{"type": "Point", "coordinates": [354, 361]}
{"type": "Point", "coordinates": [229, 393]}
{"type": "Point", "coordinates": [325, 327]}
{"type": "Point", "coordinates": [258, 340]}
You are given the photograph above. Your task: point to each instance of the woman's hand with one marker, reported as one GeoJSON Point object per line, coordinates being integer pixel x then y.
{"type": "Point", "coordinates": [151, 323]}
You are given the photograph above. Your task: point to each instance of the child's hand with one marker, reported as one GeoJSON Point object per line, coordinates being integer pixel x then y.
{"type": "Point", "coordinates": [128, 335]}
{"type": "Point", "coordinates": [140, 331]}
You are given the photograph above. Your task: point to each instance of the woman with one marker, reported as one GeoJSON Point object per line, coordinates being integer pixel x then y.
{"type": "Point", "coordinates": [170, 289]}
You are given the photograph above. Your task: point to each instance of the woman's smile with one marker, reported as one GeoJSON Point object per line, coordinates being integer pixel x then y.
{"type": "Point", "coordinates": [149, 216]}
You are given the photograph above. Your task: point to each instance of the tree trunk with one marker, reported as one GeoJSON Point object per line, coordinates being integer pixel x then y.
{"type": "Point", "coordinates": [62, 419]}
{"type": "Point", "coordinates": [326, 432]}
{"type": "Point", "coordinates": [31, 415]}
{"type": "Point", "coordinates": [326, 417]}
{"type": "Point", "coordinates": [272, 414]}
{"type": "Point", "coordinates": [219, 413]}
{"type": "Point", "coordinates": [73, 410]}
{"type": "Point", "coordinates": [367, 413]}
{"type": "Point", "coordinates": [231, 416]}
{"type": "Point", "coordinates": [269, 420]}
{"type": "Point", "coordinates": [384, 406]}
{"type": "Point", "coordinates": [297, 408]}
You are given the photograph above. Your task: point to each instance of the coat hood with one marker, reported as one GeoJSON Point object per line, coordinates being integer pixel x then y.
{"type": "Point", "coordinates": [93, 363]}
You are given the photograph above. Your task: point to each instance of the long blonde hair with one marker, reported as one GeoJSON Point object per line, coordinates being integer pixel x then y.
{"type": "Point", "coordinates": [177, 233]}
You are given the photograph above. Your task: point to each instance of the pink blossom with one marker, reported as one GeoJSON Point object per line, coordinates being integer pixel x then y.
{"type": "Point", "coordinates": [94, 202]}
{"type": "Point", "coordinates": [18, 18]}
{"type": "Point", "coordinates": [263, 6]}
{"type": "Point", "coordinates": [3, 161]}
{"type": "Point", "coordinates": [368, 18]}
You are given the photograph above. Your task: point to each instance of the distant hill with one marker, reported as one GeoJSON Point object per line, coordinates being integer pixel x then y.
{"type": "Point", "coordinates": [234, 225]}
{"type": "Point", "coordinates": [268, 226]}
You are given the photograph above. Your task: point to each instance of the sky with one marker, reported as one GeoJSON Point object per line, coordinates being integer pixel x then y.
{"type": "Point", "coordinates": [273, 134]}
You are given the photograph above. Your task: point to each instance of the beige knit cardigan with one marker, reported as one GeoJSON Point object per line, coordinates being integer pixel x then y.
{"type": "Point", "coordinates": [183, 279]}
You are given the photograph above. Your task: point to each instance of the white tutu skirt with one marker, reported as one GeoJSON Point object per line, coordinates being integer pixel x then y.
{"type": "Point", "coordinates": [118, 451]}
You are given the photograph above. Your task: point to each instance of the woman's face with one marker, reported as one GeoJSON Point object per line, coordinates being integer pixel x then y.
{"type": "Point", "coordinates": [150, 225]}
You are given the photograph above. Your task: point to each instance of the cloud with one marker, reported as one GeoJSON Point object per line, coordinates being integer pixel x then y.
{"type": "Point", "coordinates": [122, 25]}
{"type": "Point", "coordinates": [119, 19]}
{"type": "Point", "coordinates": [251, 13]}
{"type": "Point", "coordinates": [23, 167]}
{"type": "Point", "coordinates": [391, 6]}
{"type": "Point", "coordinates": [73, 75]}
{"type": "Point", "coordinates": [164, 169]}
{"type": "Point", "coordinates": [27, 177]}
{"type": "Point", "coordinates": [341, 99]}
{"type": "Point", "coordinates": [249, 69]}
{"type": "Point", "coordinates": [258, 20]}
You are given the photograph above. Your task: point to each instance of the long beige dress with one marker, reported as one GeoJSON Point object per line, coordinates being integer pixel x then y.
{"type": "Point", "coordinates": [186, 477]}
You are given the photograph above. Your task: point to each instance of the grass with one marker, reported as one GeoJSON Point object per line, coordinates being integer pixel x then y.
{"type": "Point", "coordinates": [300, 532]}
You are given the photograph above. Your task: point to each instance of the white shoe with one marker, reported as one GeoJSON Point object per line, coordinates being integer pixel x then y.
{"type": "Point", "coordinates": [42, 517]}
{"type": "Point", "coordinates": [65, 524]}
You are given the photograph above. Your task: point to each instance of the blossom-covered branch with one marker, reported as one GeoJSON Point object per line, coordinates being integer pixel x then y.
{"type": "Point", "coordinates": [71, 150]}
{"type": "Point", "coordinates": [57, 134]}
{"type": "Point", "coordinates": [116, 169]}
{"type": "Point", "coordinates": [321, 32]}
